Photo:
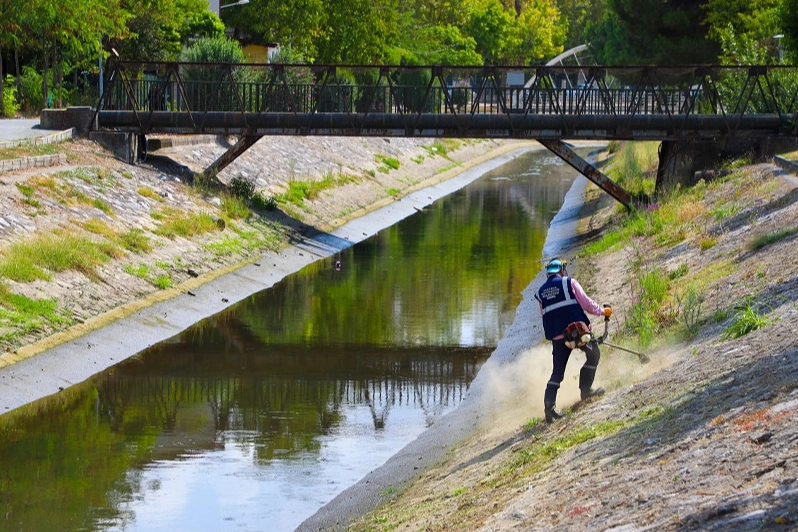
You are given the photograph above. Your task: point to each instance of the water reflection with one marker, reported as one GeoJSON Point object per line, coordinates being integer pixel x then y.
{"type": "Point", "coordinates": [255, 418]}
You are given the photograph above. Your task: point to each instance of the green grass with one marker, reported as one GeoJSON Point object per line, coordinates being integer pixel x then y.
{"type": "Point", "coordinates": [135, 240]}
{"type": "Point", "coordinates": [745, 321]}
{"type": "Point", "coordinates": [28, 150]}
{"type": "Point", "coordinates": [765, 240]}
{"type": "Point", "coordinates": [147, 192]}
{"type": "Point", "coordinates": [175, 223]}
{"type": "Point", "coordinates": [301, 190]}
{"type": "Point", "coordinates": [21, 315]}
{"type": "Point", "coordinates": [57, 251]}
{"type": "Point", "coordinates": [388, 163]}
{"type": "Point", "coordinates": [540, 453]}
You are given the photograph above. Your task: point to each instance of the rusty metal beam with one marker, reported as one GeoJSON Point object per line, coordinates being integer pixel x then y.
{"type": "Point", "coordinates": [243, 144]}
{"type": "Point", "coordinates": [606, 184]}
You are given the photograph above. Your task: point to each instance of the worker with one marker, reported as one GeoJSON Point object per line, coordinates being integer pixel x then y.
{"type": "Point", "coordinates": [563, 304]}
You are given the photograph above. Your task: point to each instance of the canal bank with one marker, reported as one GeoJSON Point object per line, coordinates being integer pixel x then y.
{"type": "Point", "coordinates": [47, 367]}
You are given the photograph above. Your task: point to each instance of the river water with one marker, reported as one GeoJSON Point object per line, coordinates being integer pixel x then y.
{"type": "Point", "coordinates": [255, 418]}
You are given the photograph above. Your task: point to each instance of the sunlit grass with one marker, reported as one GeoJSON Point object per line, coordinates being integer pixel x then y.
{"type": "Point", "coordinates": [176, 223]}
{"type": "Point", "coordinates": [57, 251]}
{"type": "Point", "coordinates": [21, 315]}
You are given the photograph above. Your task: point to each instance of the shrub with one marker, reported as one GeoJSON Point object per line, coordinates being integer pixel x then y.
{"type": "Point", "coordinates": [10, 103]}
{"type": "Point", "coordinates": [242, 188]}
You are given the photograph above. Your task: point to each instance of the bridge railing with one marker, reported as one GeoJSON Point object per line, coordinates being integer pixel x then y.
{"type": "Point", "coordinates": [426, 91]}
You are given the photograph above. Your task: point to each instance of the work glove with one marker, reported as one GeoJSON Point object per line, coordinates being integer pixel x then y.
{"type": "Point", "coordinates": [607, 311]}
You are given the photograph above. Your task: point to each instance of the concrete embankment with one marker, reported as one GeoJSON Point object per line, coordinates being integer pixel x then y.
{"type": "Point", "coordinates": [101, 342]}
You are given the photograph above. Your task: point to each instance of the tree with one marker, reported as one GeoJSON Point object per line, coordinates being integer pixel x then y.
{"type": "Point", "coordinates": [579, 14]}
{"type": "Point", "coordinates": [653, 32]}
{"type": "Point", "coordinates": [295, 23]}
{"type": "Point", "coordinates": [160, 29]}
{"type": "Point", "coordinates": [745, 29]}
{"type": "Point", "coordinates": [787, 15]}
{"type": "Point", "coordinates": [493, 28]}
{"type": "Point", "coordinates": [542, 33]}
{"type": "Point", "coordinates": [356, 31]}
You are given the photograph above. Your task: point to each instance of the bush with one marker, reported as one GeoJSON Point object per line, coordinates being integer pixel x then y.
{"type": "Point", "coordinates": [10, 103]}
{"type": "Point", "coordinates": [242, 188]}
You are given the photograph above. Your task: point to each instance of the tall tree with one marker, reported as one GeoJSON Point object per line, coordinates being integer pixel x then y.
{"type": "Point", "coordinates": [357, 31]}
{"type": "Point", "coordinates": [295, 23]}
{"type": "Point", "coordinates": [658, 32]}
{"type": "Point", "coordinates": [541, 33]}
{"type": "Point", "coordinates": [787, 14]}
{"type": "Point", "coordinates": [160, 29]}
{"type": "Point", "coordinates": [580, 14]}
{"type": "Point", "coordinates": [493, 28]}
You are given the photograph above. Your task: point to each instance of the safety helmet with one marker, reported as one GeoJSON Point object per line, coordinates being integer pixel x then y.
{"type": "Point", "coordinates": [555, 265]}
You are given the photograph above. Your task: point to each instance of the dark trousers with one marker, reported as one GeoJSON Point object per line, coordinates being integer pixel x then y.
{"type": "Point", "coordinates": [561, 353]}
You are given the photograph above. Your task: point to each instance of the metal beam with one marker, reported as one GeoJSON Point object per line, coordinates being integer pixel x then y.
{"type": "Point", "coordinates": [243, 144]}
{"type": "Point", "coordinates": [588, 170]}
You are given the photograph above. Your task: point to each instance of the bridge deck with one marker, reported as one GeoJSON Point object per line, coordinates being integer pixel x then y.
{"type": "Point", "coordinates": [677, 103]}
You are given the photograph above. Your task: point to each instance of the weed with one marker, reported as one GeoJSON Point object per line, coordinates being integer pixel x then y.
{"type": "Point", "coordinates": [135, 240]}
{"type": "Point", "coordinates": [679, 272]}
{"type": "Point", "coordinates": [765, 240]}
{"type": "Point", "coordinates": [389, 163]}
{"type": "Point", "coordinates": [55, 252]}
{"type": "Point", "coordinates": [235, 207]}
{"type": "Point", "coordinates": [103, 206]}
{"type": "Point", "coordinates": [21, 315]}
{"type": "Point", "coordinates": [242, 187]}
{"type": "Point", "coordinates": [745, 321]}
{"type": "Point", "coordinates": [141, 271]}
{"type": "Point", "coordinates": [690, 310]}
{"type": "Point", "coordinates": [393, 191]}
{"type": "Point", "coordinates": [147, 192]}
{"type": "Point", "coordinates": [163, 281]}
{"type": "Point", "coordinates": [261, 202]}
{"type": "Point", "coordinates": [531, 424]}
{"type": "Point", "coordinates": [175, 223]}
{"type": "Point", "coordinates": [707, 242]}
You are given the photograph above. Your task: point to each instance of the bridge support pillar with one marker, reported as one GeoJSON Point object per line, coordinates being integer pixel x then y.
{"type": "Point", "coordinates": [606, 184]}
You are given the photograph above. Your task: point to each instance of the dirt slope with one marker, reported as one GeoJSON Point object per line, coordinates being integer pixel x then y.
{"type": "Point", "coordinates": [705, 437]}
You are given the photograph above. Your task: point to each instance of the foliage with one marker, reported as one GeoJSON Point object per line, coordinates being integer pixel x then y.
{"type": "Point", "coordinates": [10, 103]}
{"type": "Point", "coordinates": [652, 32]}
{"type": "Point", "coordinates": [219, 86]}
{"type": "Point", "coordinates": [242, 187]}
{"type": "Point", "coordinates": [689, 303]}
{"type": "Point", "coordinates": [746, 320]}
{"type": "Point", "coordinates": [158, 31]}
{"type": "Point", "coordinates": [788, 23]}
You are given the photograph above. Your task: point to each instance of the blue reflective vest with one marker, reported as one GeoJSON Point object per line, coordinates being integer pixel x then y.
{"type": "Point", "coordinates": [560, 307]}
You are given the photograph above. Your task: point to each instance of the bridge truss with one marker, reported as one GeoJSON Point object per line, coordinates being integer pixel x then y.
{"type": "Point", "coordinates": [551, 103]}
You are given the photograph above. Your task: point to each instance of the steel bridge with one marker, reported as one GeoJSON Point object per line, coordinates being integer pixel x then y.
{"type": "Point", "coordinates": [551, 104]}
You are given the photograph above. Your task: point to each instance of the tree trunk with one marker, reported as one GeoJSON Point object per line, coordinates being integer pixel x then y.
{"type": "Point", "coordinates": [2, 86]}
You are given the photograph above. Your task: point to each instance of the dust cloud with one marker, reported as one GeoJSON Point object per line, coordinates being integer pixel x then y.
{"type": "Point", "coordinates": [515, 389]}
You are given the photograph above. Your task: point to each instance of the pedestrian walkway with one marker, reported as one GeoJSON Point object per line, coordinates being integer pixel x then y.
{"type": "Point", "coordinates": [21, 128]}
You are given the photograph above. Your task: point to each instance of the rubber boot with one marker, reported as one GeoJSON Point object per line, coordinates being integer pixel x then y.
{"type": "Point", "coordinates": [551, 414]}
{"type": "Point", "coordinates": [587, 393]}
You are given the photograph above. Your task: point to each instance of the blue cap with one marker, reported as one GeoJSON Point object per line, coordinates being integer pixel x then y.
{"type": "Point", "coordinates": [554, 266]}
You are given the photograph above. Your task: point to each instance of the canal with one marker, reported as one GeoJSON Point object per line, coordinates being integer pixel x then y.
{"type": "Point", "coordinates": [255, 418]}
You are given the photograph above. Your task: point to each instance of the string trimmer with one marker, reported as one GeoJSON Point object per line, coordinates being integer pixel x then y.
{"type": "Point", "coordinates": [603, 340]}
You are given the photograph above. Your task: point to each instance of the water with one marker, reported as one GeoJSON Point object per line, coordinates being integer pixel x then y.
{"type": "Point", "coordinates": [254, 419]}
